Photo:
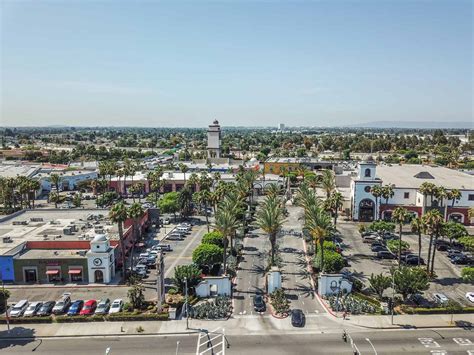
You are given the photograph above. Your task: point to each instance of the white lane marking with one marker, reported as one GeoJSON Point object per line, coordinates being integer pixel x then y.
{"type": "Point", "coordinates": [462, 341]}
{"type": "Point", "coordinates": [438, 352]}
{"type": "Point", "coordinates": [428, 342]}
{"type": "Point", "coordinates": [372, 345]}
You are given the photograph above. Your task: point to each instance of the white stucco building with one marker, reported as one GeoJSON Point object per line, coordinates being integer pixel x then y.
{"type": "Point", "coordinates": [101, 260]}
{"type": "Point", "coordinates": [214, 140]}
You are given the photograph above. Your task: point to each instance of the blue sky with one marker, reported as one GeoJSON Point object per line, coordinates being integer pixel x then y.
{"type": "Point", "coordinates": [151, 63]}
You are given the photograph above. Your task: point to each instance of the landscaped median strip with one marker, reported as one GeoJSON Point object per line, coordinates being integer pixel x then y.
{"type": "Point", "coordinates": [122, 317]}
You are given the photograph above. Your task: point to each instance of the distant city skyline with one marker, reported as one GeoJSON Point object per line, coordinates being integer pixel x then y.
{"type": "Point", "coordinates": [183, 64]}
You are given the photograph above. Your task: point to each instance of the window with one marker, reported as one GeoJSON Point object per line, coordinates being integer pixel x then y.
{"type": "Point", "coordinates": [406, 195]}
{"type": "Point", "coordinates": [367, 172]}
{"type": "Point", "coordinates": [367, 189]}
{"type": "Point", "coordinates": [471, 197]}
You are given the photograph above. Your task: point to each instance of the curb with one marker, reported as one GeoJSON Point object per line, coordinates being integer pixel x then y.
{"type": "Point", "coordinates": [99, 335]}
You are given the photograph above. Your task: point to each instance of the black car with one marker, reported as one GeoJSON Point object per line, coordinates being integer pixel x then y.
{"type": "Point", "coordinates": [461, 260]}
{"type": "Point", "coordinates": [385, 255]}
{"type": "Point", "coordinates": [297, 318]}
{"type": "Point", "coordinates": [413, 260]}
{"type": "Point", "coordinates": [442, 247]}
{"type": "Point", "coordinates": [46, 309]}
{"type": "Point", "coordinates": [377, 248]}
{"type": "Point", "coordinates": [259, 303]}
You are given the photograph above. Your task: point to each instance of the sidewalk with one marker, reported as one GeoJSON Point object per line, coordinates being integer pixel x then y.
{"type": "Point", "coordinates": [239, 325]}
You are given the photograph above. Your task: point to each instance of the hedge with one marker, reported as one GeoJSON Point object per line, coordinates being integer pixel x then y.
{"type": "Point", "coordinates": [124, 316]}
{"type": "Point", "coordinates": [437, 310]}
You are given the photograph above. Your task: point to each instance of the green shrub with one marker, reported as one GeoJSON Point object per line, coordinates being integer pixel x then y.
{"type": "Point", "coordinates": [333, 261]}
{"type": "Point", "coordinates": [127, 316]}
{"type": "Point", "coordinates": [467, 274]}
{"type": "Point", "coordinates": [279, 302]}
{"type": "Point", "coordinates": [381, 226]}
{"type": "Point", "coordinates": [437, 310]}
{"type": "Point", "coordinates": [29, 320]}
{"type": "Point", "coordinates": [214, 237]}
{"type": "Point", "coordinates": [393, 245]}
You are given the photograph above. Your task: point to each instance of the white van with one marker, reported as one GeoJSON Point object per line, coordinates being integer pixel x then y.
{"type": "Point", "coordinates": [18, 309]}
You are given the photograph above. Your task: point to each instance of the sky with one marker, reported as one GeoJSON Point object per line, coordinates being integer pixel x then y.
{"type": "Point", "coordinates": [245, 63]}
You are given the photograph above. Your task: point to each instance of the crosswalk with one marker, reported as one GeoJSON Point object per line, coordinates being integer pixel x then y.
{"type": "Point", "coordinates": [212, 342]}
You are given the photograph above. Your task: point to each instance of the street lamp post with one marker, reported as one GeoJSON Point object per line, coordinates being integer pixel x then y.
{"type": "Point", "coordinates": [187, 303]}
{"type": "Point", "coordinates": [393, 293]}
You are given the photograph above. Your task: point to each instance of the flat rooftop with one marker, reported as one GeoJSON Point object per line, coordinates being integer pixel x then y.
{"type": "Point", "coordinates": [40, 225]}
{"type": "Point", "coordinates": [412, 176]}
{"type": "Point", "coordinates": [18, 169]}
{"type": "Point", "coordinates": [30, 254]}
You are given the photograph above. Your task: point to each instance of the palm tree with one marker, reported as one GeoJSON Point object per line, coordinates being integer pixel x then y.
{"type": "Point", "coordinates": [440, 193]}
{"type": "Point", "coordinates": [387, 192]}
{"type": "Point", "coordinates": [34, 186]}
{"type": "Point", "coordinates": [136, 212]}
{"type": "Point", "coordinates": [185, 197]}
{"type": "Point", "coordinates": [327, 182]}
{"type": "Point", "coordinates": [318, 223]}
{"type": "Point", "coordinates": [376, 191]}
{"type": "Point", "coordinates": [270, 219]}
{"type": "Point", "coordinates": [454, 195]}
{"type": "Point", "coordinates": [118, 214]}
{"type": "Point", "coordinates": [335, 202]}
{"type": "Point", "coordinates": [417, 226]}
{"type": "Point", "coordinates": [183, 168]}
{"type": "Point", "coordinates": [434, 222]}
{"type": "Point", "coordinates": [314, 180]}
{"type": "Point", "coordinates": [55, 180]}
{"type": "Point", "coordinates": [427, 189]}
{"type": "Point", "coordinates": [55, 197]}
{"type": "Point", "coordinates": [272, 190]}
{"type": "Point", "coordinates": [400, 215]}
{"type": "Point", "coordinates": [226, 223]}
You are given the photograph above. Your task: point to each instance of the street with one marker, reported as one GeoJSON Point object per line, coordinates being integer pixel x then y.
{"type": "Point", "coordinates": [367, 342]}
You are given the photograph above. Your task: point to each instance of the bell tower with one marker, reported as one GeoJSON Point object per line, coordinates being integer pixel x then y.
{"type": "Point", "coordinates": [214, 140]}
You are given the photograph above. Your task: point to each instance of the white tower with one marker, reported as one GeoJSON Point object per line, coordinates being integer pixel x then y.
{"type": "Point", "coordinates": [101, 260]}
{"type": "Point", "coordinates": [214, 140]}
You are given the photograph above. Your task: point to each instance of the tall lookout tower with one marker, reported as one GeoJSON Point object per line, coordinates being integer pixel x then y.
{"type": "Point", "coordinates": [214, 140]}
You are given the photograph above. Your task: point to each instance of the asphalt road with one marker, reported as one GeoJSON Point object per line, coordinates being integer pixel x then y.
{"type": "Point", "coordinates": [453, 341]}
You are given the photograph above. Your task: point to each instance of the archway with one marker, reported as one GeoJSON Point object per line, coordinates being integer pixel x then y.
{"type": "Point", "coordinates": [366, 210]}
{"type": "Point", "coordinates": [456, 217]}
{"type": "Point", "coordinates": [98, 276]}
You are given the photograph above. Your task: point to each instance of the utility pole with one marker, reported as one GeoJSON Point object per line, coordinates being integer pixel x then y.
{"type": "Point", "coordinates": [187, 302]}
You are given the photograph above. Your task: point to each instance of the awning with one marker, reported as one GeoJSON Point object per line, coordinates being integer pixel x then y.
{"type": "Point", "coordinates": [75, 271]}
{"type": "Point", "coordinates": [52, 272]}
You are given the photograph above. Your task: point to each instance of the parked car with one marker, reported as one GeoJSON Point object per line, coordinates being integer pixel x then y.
{"type": "Point", "coordinates": [89, 308]}
{"type": "Point", "coordinates": [377, 248]}
{"type": "Point", "coordinates": [46, 309]}
{"type": "Point", "coordinates": [62, 304]}
{"type": "Point", "coordinates": [420, 301]}
{"type": "Point", "coordinates": [461, 260]}
{"type": "Point", "coordinates": [164, 247]}
{"type": "Point", "coordinates": [140, 270]}
{"type": "Point", "coordinates": [297, 318]}
{"type": "Point", "coordinates": [470, 296]}
{"type": "Point", "coordinates": [413, 260]}
{"type": "Point", "coordinates": [103, 306]}
{"type": "Point", "coordinates": [259, 303]}
{"type": "Point", "coordinates": [442, 247]}
{"type": "Point", "coordinates": [75, 308]}
{"type": "Point", "coordinates": [440, 298]}
{"type": "Point", "coordinates": [33, 309]}
{"type": "Point", "coordinates": [370, 238]}
{"type": "Point", "coordinates": [175, 236]}
{"type": "Point", "coordinates": [166, 221]}
{"type": "Point", "coordinates": [116, 306]}
{"type": "Point", "coordinates": [18, 309]}
{"type": "Point", "coordinates": [385, 255]}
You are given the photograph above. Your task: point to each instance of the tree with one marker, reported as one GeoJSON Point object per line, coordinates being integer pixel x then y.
{"type": "Point", "coordinates": [418, 227]}
{"type": "Point", "coordinates": [467, 274]}
{"type": "Point", "coordinates": [55, 180]}
{"type": "Point", "coordinates": [185, 197]}
{"type": "Point", "coordinates": [427, 189]}
{"type": "Point", "coordinates": [453, 230]}
{"type": "Point", "coordinates": [328, 182]}
{"type": "Point", "coordinates": [387, 192]}
{"type": "Point", "coordinates": [335, 203]}
{"type": "Point", "coordinates": [183, 168]}
{"type": "Point", "coordinates": [400, 215]}
{"type": "Point", "coordinates": [376, 191]}
{"type": "Point", "coordinates": [332, 262]}
{"type": "Point", "coordinates": [214, 237]}
{"type": "Point", "coordinates": [136, 212]}
{"type": "Point", "coordinates": [55, 197]}
{"type": "Point", "coordinates": [434, 222]}
{"type": "Point", "coordinates": [409, 281]}
{"type": "Point", "coordinates": [379, 283]}
{"type": "Point", "coordinates": [190, 272]}
{"type": "Point", "coordinates": [318, 223]}
{"type": "Point", "coordinates": [136, 296]}
{"type": "Point", "coordinates": [169, 203]}
{"type": "Point", "coordinates": [4, 296]}
{"type": "Point", "coordinates": [77, 199]}
{"type": "Point", "coordinates": [118, 214]}
{"type": "Point", "coordinates": [270, 219]}
{"type": "Point", "coordinates": [207, 255]}
{"type": "Point", "coordinates": [226, 224]}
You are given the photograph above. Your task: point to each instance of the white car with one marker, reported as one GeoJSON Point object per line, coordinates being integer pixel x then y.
{"type": "Point", "coordinates": [18, 309]}
{"type": "Point", "coordinates": [470, 296]}
{"type": "Point", "coordinates": [116, 306]}
{"type": "Point", "coordinates": [440, 298]}
{"type": "Point", "coordinates": [32, 309]}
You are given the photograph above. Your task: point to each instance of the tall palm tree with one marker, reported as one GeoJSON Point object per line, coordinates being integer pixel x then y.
{"type": "Point", "coordinates": [400, 216]}
{"type": "Point", "coordinates": [434, 222]}
{"type": "Point", "coordinates": [335, 202]}
{"type": "Point", "coordinates": [376, 191]}
{"type": "Point", "coordinates": [418, 227]}
{"type": "Point", "coordinates": [185, 197]}
{"type": "Point", "coordinates": [454, 195]}
{"type": "Point", "coordinates": [136, 212]}
{"type": "Point", "coordinates": [55, 180]}
{"type": "Point", "coordinates": [226, 223]}
{"type": "Point", "coordinates": [328, 182]}
{"type": "Point", "coordinates": [318, 223]}
{"type": "Point", "coordinates": [118, 214]}
{"type": "Point", "coordinates": [270, 219]}
{"type": "Point", "coordinates": [427, 189]}
{"type": "Point", "coordinates": [314, 181]}
{"type": "Point", "coordinates": [273, 190]}
{"type": "Point", "coordinates": [387, 192]}
{"type": "Point", "coordinates": [183, 168]}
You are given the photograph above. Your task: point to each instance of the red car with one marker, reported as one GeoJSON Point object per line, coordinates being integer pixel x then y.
{"type": "Point", "coordinates": [89, 308]}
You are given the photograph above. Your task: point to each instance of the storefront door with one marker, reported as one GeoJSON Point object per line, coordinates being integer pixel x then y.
{"type": "Point", "coordinates": [31, 275]}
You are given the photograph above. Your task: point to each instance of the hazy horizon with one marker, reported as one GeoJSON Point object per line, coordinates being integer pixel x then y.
{"type": "Point", "coordinates": [247, 64]}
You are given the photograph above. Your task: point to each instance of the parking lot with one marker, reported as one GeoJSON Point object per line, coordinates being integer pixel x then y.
{"type": "Point", "coordinates": [181, 254]}
{"type": "Point", "coordinates": [362, 263]}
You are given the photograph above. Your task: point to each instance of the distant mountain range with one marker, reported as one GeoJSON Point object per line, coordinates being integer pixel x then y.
{"type": "Point", "coordinates": [414, 124]}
